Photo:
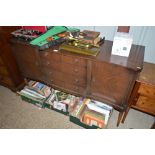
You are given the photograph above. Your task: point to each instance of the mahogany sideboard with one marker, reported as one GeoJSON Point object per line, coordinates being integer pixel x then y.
{"type": "Point", "coordinates": [9, 73]}
{"type": "Point", "coordinates": [106, 77]}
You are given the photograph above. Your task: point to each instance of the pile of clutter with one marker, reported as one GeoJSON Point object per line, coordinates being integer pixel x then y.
{"type": "Point", "coordinates": [82, 111]}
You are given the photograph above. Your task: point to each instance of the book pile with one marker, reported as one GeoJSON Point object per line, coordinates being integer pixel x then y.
{"type": "Point", "coordinates": [35, 92]}
{"type": "Point", "coordinates": [92, 113]}
{"type": "Point", "coordinates": [60, 101]}
{"type": "Point", "coordinates": [90, 37]}
{"type": "Point", "coordinates": [86, 42]}
{"type": "Point", "coordinates": [82, 111]}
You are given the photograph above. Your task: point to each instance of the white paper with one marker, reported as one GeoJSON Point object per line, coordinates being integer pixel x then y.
{"type": "Point", "coordinates": [122, 44]}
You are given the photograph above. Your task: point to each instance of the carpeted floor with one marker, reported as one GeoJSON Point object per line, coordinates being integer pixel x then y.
{"type": "Point", "coordinates": [17, 114]}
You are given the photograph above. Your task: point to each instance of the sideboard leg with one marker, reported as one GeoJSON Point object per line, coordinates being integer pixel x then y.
{"type": "Point", "coordinates": [119, 118]}
{"type": "Point", "coordinates": [125, 114]}
{"type": "Point", "coordinates": [153, 125]}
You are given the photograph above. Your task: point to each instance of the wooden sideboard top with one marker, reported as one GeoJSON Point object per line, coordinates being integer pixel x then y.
{"type": "Point", "coordinates": [134, 61]}
{"type": "Point", "coordinates": [148, 74]}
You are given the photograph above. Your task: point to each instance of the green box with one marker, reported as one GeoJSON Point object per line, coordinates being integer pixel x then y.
{"type": "Point", "coordinates": [32, 101]}
{"type": "Point", "coordinates": [78, 122]}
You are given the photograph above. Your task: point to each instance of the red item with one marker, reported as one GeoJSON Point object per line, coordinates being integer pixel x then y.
{"type": "Point", "coordinates": [35, 28]}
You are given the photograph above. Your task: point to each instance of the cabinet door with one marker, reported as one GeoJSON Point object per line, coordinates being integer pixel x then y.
{"type": "Point", "coordinates": [111, 82]}
{"type": "Point", "coordinates": [28, 60]}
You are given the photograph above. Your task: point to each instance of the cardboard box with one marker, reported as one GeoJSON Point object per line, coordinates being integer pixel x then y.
{"type": "Point", "coordinates": [33, 101]}
{"type": "Point", "coordinates": [92, 118]}
{"type": "Point", "coordinates": [51, 108]}
{"type": "Point", "coordinates": [78, 122]}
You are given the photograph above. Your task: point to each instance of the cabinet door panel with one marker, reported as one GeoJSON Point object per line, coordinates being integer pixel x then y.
{"type": "Point", "coordinates": [111, 82]}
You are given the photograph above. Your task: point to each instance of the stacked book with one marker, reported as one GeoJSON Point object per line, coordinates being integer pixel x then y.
{"type": "Point", "coordinates": [82, 111]}
{"type": "Point", "coordinates": [35, 92]}
{"type": "Point", "coordinates": [92, 113]}
{"type": "Point", "coordinates": [97, 113]}
{"type": "Point", "coordinates": [60, 101]}
{"type": "Point", "coordinates": [86, 42]}
{"type": "Point", "coordinates": [90, 37]}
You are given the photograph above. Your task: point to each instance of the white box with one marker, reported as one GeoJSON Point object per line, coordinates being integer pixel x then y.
{"type": "Point", "coordinates": [122, 44]}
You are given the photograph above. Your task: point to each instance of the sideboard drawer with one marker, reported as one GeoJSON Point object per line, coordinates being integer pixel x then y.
{"type": "Point", "coordinates": [74, 60]}
{"type": "Point", "coordinates": [51, 64]}
{"type": "Point", "coordinates": [78, 71]}
{"type": "Point", "coordinates": [50, 73]}
{"type": "Point", "coordinates": [56, 82]}
{"type": "Point", "coordinates": [51, 56]}
{"type": "Point", "coordinates": [75, 80]}
{"type": "Point", "coordinates": [147, 90]}
{"type": "Point", "coordinates": [146, 104]}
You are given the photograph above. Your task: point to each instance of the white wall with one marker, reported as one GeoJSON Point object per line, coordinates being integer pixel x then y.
{"type": "Point", "coordinates": [145, 35]}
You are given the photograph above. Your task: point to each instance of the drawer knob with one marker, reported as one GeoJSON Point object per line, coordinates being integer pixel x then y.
{"type": "Point", "coordinates": [37, 64]}
{"type": "Point", "coordinates": [76, 80]}
{"type": "Point", "coordinates": [76, 88]}
{"type": "Point", "coordinates": [76, 60]}
{"type": "Point", "coordinates": [76, 70]}
{"type": "Point", "coordinates": [50, 73]}
{"type": "Point", "coordinates": [46, 54]}
{"type": "Point", "coordinates": [47, 63]}
{"type": "Point", "coordinates": [93, 79]}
